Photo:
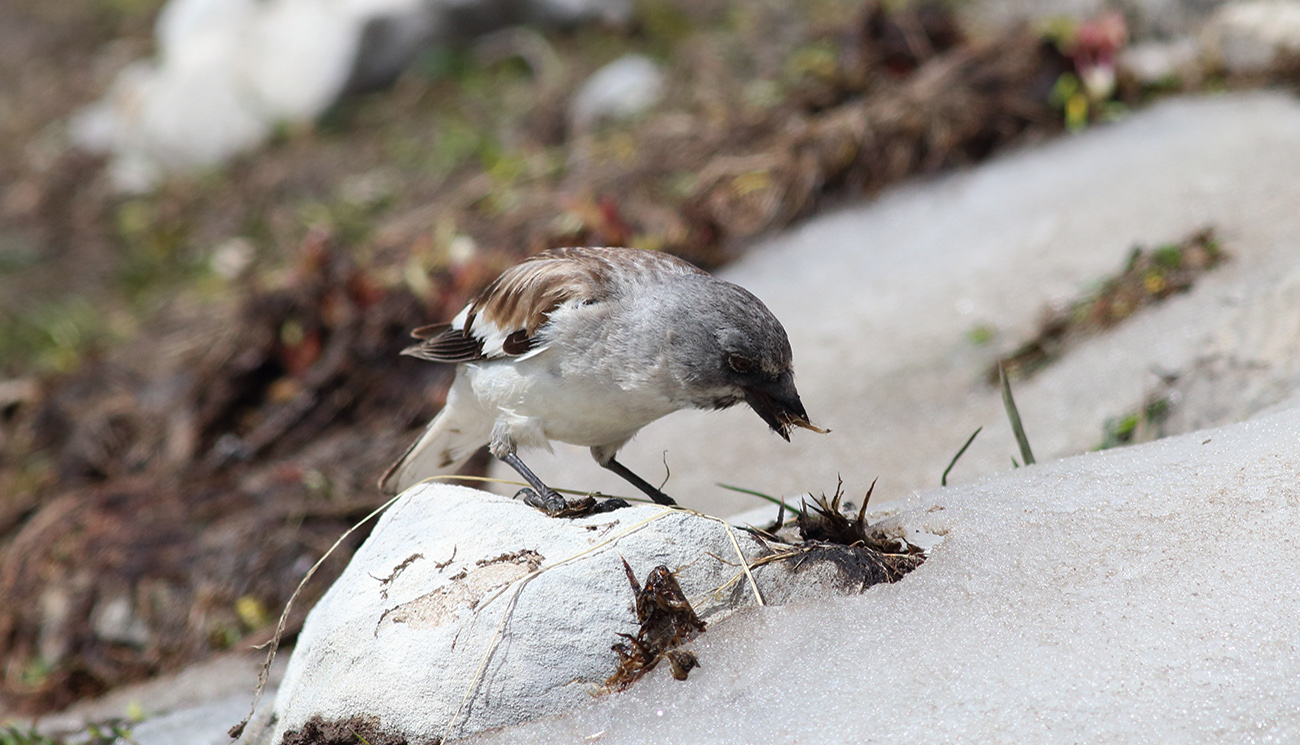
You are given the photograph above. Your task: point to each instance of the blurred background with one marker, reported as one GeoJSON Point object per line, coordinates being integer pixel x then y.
{"type": "Point", "coordinates": [219, 220]}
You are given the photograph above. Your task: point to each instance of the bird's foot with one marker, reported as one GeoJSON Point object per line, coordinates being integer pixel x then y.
{"type": "Point", "coordinates": [548, 501]}
{"type": "Point", "coordinates": [556, 506]}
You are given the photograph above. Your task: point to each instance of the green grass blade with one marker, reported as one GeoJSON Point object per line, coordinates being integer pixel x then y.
{"type": "Point", "coordinates": [943, 480]}
{"type": "Point", "coordinates": [1013, 414]}
{"type": "Point", "coordinates": [761, 495]}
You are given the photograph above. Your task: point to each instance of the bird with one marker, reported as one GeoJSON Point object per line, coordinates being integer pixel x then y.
{"type": "Point", "coordinates": [586, 346]}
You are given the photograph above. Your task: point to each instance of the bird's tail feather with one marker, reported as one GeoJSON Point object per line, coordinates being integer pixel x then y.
{"type": "Point", "coordinates": [449, 440]}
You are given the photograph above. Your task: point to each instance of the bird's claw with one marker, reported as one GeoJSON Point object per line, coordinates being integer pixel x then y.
{"type": "Point", "coordinates": [549, 501]}
{"type": "Point", "coordinates": [556, 506]}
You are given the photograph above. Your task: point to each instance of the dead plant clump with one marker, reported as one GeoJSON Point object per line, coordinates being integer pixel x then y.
{"type": "Point", "coordinates": [825, 534]}
{"type": "Point", "coordinates": [162, 496]}
{"type": "Point", "coordinates": [666, 622]}
{"type": "Point", "coordinates": [826, 523]}
{"type": "Point", "coordinates": [1149, 276]}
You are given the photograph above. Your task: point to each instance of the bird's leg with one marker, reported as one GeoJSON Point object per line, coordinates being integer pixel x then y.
{"type": "Point", "coordinates": [546, 499]}
{"type": "Point", "coordinates": [635, 480]}
{"type": "Point", "coordinates": [540, 496]}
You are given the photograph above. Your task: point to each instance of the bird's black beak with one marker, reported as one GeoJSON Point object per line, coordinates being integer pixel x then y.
{"type": "Point", "coordinates": [777, 403]}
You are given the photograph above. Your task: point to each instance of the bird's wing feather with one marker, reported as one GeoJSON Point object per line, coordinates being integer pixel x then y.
{"type": "Point", "coordinates": [504, 320]}
{"type": "Point", "coordinates": [454, 435]}
{"type": "Point", "coordinates": [442, 343]}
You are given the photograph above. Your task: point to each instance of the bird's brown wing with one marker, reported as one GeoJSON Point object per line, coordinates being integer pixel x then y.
{"type": "Point", "coordinates": [504, 320]}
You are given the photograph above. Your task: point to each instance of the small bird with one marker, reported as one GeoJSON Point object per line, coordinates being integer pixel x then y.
{"type": "Point", "coordinates": [587, 346]}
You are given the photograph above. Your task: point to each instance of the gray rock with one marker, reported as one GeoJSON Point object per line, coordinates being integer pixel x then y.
{"type": "Point", "coordinates": [1155, 62]}
{"type": "Point", "coordinates": [193, 706]}
{"type": "Point", "coordinates": [200, 725]}
{"type": "Point", "coordinates": [388, 45]}
{"type": "Point", "coordinates": [1138, 595]}
{"type": "Point", "coordinates": [1247, 37]}
{"type": "Point", "coordinates": [465, 611]}
{"type": "Point", "coordinates": [1250, 365]}
{"type": "Point", "coordinates": [114, 619]}
{"type": "Point", "coordinates": [622, 89]}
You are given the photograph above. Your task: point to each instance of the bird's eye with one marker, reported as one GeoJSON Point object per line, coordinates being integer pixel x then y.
{"type": "Point", "coordinates": [740, 364]}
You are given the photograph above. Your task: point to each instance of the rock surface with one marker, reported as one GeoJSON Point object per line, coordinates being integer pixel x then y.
{"type": "Point", "coordinates": [1249, 37]}
{"type": "Point", "coordinates": [881, 302]}
{"type": "Point", "coordinates": [194, 706]}
{"type": "Point", "coordinates": [1131, 596]}
{"type": "Point", "coordinates": [624, 88]}
{"type": "Point", "coordinates": [1158, 62]}
{"type": "Point", "coordinates": [465, 611]}
{"type": "Point", "coordinates": [200, 725]}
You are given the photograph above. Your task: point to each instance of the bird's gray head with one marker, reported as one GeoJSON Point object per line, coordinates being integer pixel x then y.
{"type": "Point", "coordinates": [733, 349]}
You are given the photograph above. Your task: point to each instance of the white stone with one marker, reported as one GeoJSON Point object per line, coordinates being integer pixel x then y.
{"type": "Point", "coordinates": [1248, 36]}
{"type": "Point", "coordinates": [622, 89]}
{"type": "Point", "coordinates": [879, 301]}
{"type": "Point", "coordinates": [232, 257]}
{"type": "Point", "coordinates": [228, 72]}
{"type": "Point", "coordinates": [496, 614]}
{"type": "Point", "coordinates": [1154, 62]}
{"type": "Point", "coordinates": [298, 56]}
{"type": "Point", "coordinates": [190, 111]}
{"type": "Point", "coordinates": [114, 620]}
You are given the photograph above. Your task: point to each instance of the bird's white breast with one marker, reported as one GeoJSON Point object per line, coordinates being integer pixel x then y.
{"type": "Point", "coordinates": [538, 401]}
